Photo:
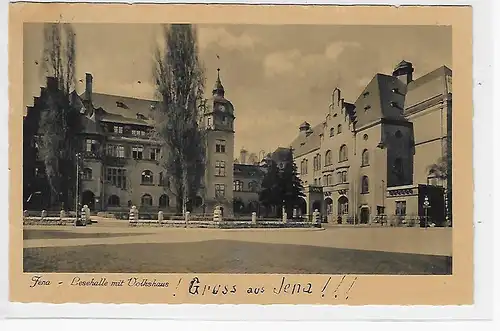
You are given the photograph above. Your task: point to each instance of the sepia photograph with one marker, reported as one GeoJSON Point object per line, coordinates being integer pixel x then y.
{"type": "Point", "coordinates": [237, 148]}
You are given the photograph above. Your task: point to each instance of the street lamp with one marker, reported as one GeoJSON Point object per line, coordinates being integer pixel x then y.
{"type": "Point", "coordinates": [77, 190]}
{"type": "Point", "coordinates": [427, 205]}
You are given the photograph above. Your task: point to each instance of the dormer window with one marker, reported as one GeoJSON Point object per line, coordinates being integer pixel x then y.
{"type": "Point", "coordinates": [393, 104]}
{"type": "Point", "coordinates": [118, 129]}
{"type": "Point", "coordinates": [365, 94]}
{"type": "Point", "coordinates": [395, 90]}
{"type": "Point", "coordinates": [120, 104]}
{"type": "Point", "coordinates": [367, 107]}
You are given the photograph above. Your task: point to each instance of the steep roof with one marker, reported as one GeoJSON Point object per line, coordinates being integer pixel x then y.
{"type": "Point", "coordinates": [122, 109]}
{"type": "Point", "coordinates": [441, 71]}
{"type": "Point", "coordinates": [305, 143]}
{"type": "Point", "coordinates": [427, 88]}
{"type": "Point", "coordinates": [247, 170]}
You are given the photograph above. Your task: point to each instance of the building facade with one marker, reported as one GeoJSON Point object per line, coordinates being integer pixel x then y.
{"type": "Point", "coordinates": [373, 158]}
{"type": "Point", "coordinates": [121, 161]}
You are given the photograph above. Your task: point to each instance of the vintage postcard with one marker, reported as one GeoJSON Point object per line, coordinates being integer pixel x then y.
{"type": "Point", "coordinates": [221, 154]}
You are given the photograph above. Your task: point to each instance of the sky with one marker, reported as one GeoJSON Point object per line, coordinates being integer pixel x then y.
{"type": "Point", "coordinates": [276, 76]}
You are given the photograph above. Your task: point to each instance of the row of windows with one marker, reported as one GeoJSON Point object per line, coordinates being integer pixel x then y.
{"type": "Point", "coordinates": [365, 159]}
{"type": "Point", "coordinates": [343, 156]}
{"type": "Point", "coordinates": [118, 129]}
{"type": "Point", "coordinates": [117, 150]}
{"type": "Point", "coordinates": [238, 186]}
{"type": "Point", "coordinates": [118, 177]}
{"type": "Point", "coordinates": [146, 201]}
{"type": "Point", "coordinates": [341, 179]}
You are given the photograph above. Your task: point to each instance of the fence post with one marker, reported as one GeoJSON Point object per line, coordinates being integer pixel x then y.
{"type": "Point", "coordinates": [217, 215]}
{"type": "Point", "coordinates": [84, 216]}
{"type": "Point", "coordinates": [254, 218]}
{"type": "Point", "coordinates": [186, 218]}
{"type": "Point", "coordinates": [133, 215]}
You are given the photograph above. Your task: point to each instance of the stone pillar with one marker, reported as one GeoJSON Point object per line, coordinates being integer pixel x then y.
{"type": "Point", "coordinates": [44, 214]}
{"type": "Point", "coordinates": [217, 215]}
{"type": "Point", "coordinates": [254, 218]}
{"type": "Point", "coordinates": [186, 218]}
{"type": "Point", "coordinates": [160, 216]}
{"type": "Point", "coordinates": [133, 215]}
{"type": "Point", "coordinates": [84, 216]}
{"type": "Point", "coordinates": [317, 216]}
{"type": "Point", "coordinates": [87, 214]}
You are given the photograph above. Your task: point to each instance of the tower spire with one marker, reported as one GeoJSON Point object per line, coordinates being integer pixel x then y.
{"type": "Point", "coordinates": [218, 88]}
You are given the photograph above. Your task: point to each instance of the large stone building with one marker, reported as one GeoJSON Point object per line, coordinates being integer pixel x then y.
{"type": "Point", "coordinates": [121, 160]}
{"type": "Point", "coordinates": [373, 157]}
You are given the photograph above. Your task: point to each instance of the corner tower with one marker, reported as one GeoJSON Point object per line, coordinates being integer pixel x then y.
{"type": "Point", "coordinates": [219, 123]}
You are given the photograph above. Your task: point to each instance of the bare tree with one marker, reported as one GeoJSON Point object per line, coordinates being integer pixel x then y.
{"type": "Point", "coordinates": [59, 119]}
{"type": "Point", "coordinates": [179, 81]}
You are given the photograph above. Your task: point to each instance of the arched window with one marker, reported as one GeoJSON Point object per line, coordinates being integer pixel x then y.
{"type": "Point", "coordinates": [113, 201]}
{"type": "Point", "coordinates": [163, 201]}
{"type": "Point", "coordinates": [343, 153]}
{"type": "Point", "coordinates": [146, 200]}
{"type": "Point", "coordinates": [328, 158]}
{"type": "Point", "coordinates": [364, 185]}
{"type": "Point", "coordinates": [87, 174]}
{"type": "Point", "coordinates": [365, 158]}
{"type": "Point", "coordinates": [339, 128]}
{"type": "Point", "coordinates": [332, 131]}
{"type": "Point", "coordinates": [147, 177]}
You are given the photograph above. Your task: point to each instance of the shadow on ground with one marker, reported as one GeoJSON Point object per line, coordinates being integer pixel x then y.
{"type": "Point", "coordinates": [226, 256]}
{"type": "Point", "coordinates": [48, 234]}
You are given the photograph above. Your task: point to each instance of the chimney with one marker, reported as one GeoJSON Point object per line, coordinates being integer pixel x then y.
{"type": "Point", "coordinates": [243, 156]}
{"type": "Point", "coordinates": [88, 87]}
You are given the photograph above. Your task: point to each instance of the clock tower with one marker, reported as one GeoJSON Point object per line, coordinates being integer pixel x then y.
{"type": "Point", "coordinates": [219, 123]}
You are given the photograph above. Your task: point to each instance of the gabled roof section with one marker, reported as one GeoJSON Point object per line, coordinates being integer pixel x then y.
{"type": "Point", "coordinates": [122, 109]}
{"type": "Point", "coordinates": [436, 73]}
{"type": "Point", "coordinates": [306, 143]}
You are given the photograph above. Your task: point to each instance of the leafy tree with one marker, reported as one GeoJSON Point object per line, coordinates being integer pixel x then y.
{"type": "Point", "coordinates": [442, 171]}
{"type": "Point", "coordinates": [179, 81]}
{"type": "Point", "coordinates": [59, 120]}
{"type": "Point", "coordinates": [270, 194]}
{"type": "Point", "coordinates": [281, 186]}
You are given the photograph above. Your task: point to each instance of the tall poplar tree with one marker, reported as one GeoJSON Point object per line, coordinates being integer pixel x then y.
{"type": "Point", "coordinates": [179, 82]}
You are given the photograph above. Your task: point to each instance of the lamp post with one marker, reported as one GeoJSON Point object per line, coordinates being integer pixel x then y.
{"type": "Point", "coordinates": [427, 205]}
{"type": "Point", "coordinates": [77, 187]}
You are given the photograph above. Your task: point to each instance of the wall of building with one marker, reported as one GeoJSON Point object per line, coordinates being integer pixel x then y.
{"type": "Point", "coordinates": [211, 178]}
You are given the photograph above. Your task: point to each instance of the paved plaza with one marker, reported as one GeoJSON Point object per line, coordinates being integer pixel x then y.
{"type": "Point", "coordinates": [113, 246]}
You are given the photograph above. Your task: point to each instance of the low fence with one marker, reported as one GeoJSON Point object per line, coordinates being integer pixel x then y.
{"type": "Point", "coordinates": [219, 221]}
{"type": "Point", "coordinates": [63, 218]}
